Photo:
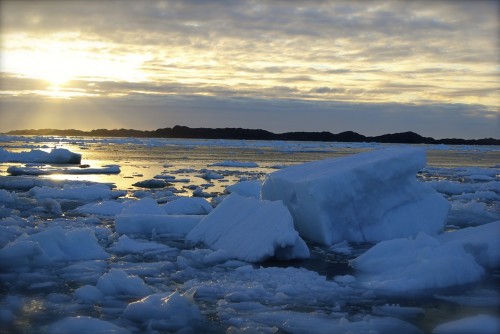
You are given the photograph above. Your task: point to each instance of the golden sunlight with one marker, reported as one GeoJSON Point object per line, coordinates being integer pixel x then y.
{"type": "Point", "coordinates": [60, 59]}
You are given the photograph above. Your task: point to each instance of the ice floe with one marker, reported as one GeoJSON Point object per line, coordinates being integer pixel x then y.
{"type": "Point", "coordinates": [416, 266]}
{"type": "Point", "coordinates": [371, 196]}
{"type": "Point", "coordinates": [116, 282]}
{"type": "Point", "coordinates": [166, 312]}
{"type": "Point", "coordinates": [85, 324]}
{"type": "Point", "coordinates": [250, 230]}
{"type": "Point", "coordinates": [110, 169]}
{"type": "Point", "coordinates": [81, 192]}
{"type": "Point", "coordinates": [56, 155]}
{"type": "Point", "coordinates": [241, 164]}
{"type": "Point", "coordinates": [51, 245]}
{"type": "Point", "coordinates": [187, 206]}
{"type": "Point", "coordinates": [479, 324]}
{"type": "Point", "coordinates": [246, 188]}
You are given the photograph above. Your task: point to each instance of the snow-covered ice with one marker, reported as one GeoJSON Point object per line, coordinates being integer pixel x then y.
{"type": "Point", "coordinates": [371, 196]}
{"type": "Point", "coordinates": [250, 230]}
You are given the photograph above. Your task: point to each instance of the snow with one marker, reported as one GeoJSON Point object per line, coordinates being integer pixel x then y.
{"type": "Point", "coordinates": [111, 169]}
{"type": "Point", "coordinates": [83, 324]}
{"type": "Point", "coordinates": [479, 324]}
{"type": "Point", "coordinates": [56, 155]}
{"type": "Point", "coordinates": [412, 266]}
{"type": "Point", "coordinates": [246, 188]}
{"type": "Point", "coordinates": [370, 196]}
{"type": "Point", "coordinates": [165, 311]}
{"type": "Point", "coordinates": [250, 230]}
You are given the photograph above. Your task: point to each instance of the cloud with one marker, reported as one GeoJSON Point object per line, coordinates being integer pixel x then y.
{"type": "Point", "coordinates": [411, 58]}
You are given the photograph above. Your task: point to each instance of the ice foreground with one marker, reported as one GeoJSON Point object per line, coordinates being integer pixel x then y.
{"type": "Point", "coordinates": [79, 256]}
{"type": "Point", "coordinates": [367, 197]}
{"type": "Point", "coordinates": [250, 230]}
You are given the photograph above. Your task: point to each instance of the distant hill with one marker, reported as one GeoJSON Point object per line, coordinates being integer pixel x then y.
{"type": "Point", "coordinates": [258, 134]}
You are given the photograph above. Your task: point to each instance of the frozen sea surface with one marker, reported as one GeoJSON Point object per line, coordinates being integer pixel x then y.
{"type": "Point", "coordinates": [65, 268]}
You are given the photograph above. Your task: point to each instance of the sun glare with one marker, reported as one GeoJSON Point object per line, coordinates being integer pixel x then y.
{"type": "Point", "coordinates": [59, 60]}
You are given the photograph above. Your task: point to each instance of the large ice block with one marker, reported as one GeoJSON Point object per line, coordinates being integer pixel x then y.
{"type": "Point", "coordinates": [370, 196]}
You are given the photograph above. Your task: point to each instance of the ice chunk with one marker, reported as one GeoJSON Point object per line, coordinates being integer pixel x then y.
{"type": "Point", "coordinates": [111, 169]}
{"type": "Point", "coordinates": [187, 206]}
{"type": "Point", "coordinates": [117, 282]}
{"type": "Point", "coordinates": [83, 324]}
{"type": "Point", "coordinates": [152, 183]}
{"type": "Point", "coordinates": [480, 241]}
{"type": "Point", "coordinates": [370, 196]}
{"type": "Point", "coordinates": [479, 324]}
{"type": "Point", "coordinates": [81, 192]}
{"type": "Point", "coordinates": [241, 164]}
{"type": "Point", "coordinates": [146, 216]}
{"type": "Point", "coordinates": [127, 245]}
{"type": "Point", "coordinates": [165, 311]}
{"type": "Point", "coordinates": [250, 230]}
{"type": "Point", "coordinates": [88, 294]}
{"type": "Point", "coordinates": [152, 223]}
{"type": "Point", "coordinates": [209, 175]}
{"type": "Point", "coordinates": [50, 245]}
{"type": "Point", "coordinates": [57, 155]}
{"type": "Point", "coordinates": [246, 188]}
{"type": "Point", "coordinates": [397, 311]}
{"type": "Point", "coordinates": [143, 206]}
{"type": "Point", "coordinates": [409, 266]}
{"type": "Point", "coordinates": [105, 208]}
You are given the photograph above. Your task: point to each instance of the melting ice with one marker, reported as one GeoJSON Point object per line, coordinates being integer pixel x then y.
{"type": "Point", "coordinates": [178, 256]}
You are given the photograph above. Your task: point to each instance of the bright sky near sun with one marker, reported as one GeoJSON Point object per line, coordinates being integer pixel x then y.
{"type": "Point", "coordinates": [370, 66]}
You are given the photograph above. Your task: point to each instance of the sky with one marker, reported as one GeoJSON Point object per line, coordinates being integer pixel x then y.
{"type": "Point", "coordinates": [373, 67]}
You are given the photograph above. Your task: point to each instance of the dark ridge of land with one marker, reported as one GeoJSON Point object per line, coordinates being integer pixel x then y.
{"type": "Point", "coordinates": [258, 134]}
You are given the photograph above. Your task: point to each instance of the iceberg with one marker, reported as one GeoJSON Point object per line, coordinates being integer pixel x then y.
{"type": "Point", "coordinates": [367, 197]}
{"type": "Point", "coordinates": [55, 156]}
{"type": "Point", "coordinates": [250, 230]}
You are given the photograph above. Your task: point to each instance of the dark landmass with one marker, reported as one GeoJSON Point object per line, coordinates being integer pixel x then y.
{"type": "Point", "coordinates": [257, 134]}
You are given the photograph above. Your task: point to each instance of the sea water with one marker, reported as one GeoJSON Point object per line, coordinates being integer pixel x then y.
{"type": "Point", "coordinates": [143, 159]}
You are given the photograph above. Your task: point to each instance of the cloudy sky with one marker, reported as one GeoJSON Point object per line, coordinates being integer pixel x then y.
{"type": "Point", "coordinates": [370, 66]}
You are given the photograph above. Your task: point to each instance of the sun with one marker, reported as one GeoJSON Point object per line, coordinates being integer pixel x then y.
{"type": "Point", "coordinates": [58, 79]}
